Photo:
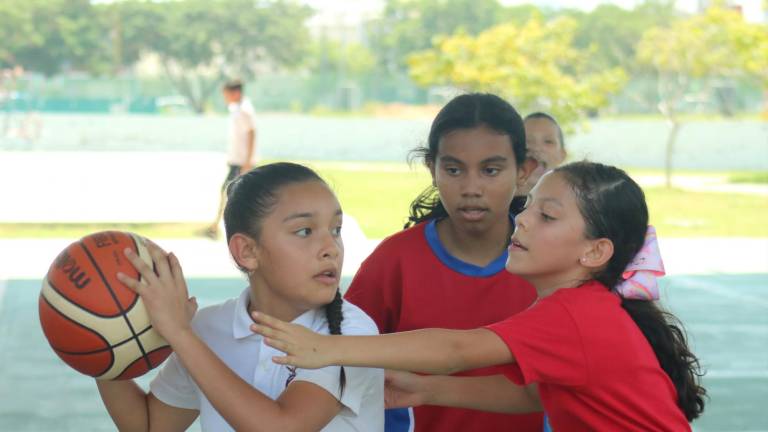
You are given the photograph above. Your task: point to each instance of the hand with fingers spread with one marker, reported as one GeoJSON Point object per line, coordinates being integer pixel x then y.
{"type": "Point", "coordinates": [163, 291]}
{"type": "Point", "coordinates": [404, 389]}
{"type": "Point", "coordinates": [303, 347]}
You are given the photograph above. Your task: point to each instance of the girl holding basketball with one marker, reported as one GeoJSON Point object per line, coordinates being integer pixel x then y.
{"type": "Point", "coordinates": [283, 229]}
{"type": "Point", "coordinates": [595, 350]}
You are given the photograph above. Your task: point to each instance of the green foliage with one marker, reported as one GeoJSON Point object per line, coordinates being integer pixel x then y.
{"type": "Point", "coordinates": [535, 66]}
{"type": "Point", "coordinates": [410, 25]}
{"type": "Point", "coordinates": [715, 47]}
{"type": "Point", "coordinates": [613, 31]}
{"type": "Point", "coordinates": [198, 42]}
{"type": "Point", "coordinates": [49, 36]}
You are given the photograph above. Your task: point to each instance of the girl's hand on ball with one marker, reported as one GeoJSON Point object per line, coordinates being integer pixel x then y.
{"type": "Point", "coordinates": [163, 291]}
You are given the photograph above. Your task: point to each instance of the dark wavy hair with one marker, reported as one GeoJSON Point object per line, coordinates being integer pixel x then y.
{"type": "Point", "coordinates": [466, 111]}
{"type": "Point", "coordinates": [613, 207]}
{"type": "Point", "coordinates": [253, 196]}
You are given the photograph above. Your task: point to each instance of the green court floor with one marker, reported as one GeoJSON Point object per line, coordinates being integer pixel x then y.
{"type": "Point", "coordinates": [726, 316]}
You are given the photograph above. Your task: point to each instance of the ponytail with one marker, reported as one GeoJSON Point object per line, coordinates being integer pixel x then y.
{"type": "Point", "coordinates": [334, 316]}
{"type": "Point", "coordinates": [666, 335]}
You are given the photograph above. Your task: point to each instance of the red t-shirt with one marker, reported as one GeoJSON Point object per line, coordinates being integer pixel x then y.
{"type": "Point", "coordinates": [594, 368]}
{"type": "Point", "coordinates": [411, 282]}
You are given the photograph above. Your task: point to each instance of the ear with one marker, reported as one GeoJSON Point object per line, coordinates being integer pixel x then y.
{"type": "Point", "coordinates": [597, 254]}
{"type": "Point", "coordinates": [525, 170]}
{"type": "Point", "coordinates": [245, 251]}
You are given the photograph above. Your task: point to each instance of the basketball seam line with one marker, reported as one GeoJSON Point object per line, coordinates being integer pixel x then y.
{"type": "Point", "coordinates": [117, 302]}
{"type": "Point", "coordinates": [64, 296]}
{"type": "Point", "coordinates": [106, 342]}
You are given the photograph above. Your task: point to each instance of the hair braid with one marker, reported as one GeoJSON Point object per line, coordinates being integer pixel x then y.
{"type": "Point", "coordinates": [334, 316]}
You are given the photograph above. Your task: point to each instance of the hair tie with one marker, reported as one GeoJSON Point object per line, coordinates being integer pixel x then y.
{"type": "Point", "coordinates": [639, 278]}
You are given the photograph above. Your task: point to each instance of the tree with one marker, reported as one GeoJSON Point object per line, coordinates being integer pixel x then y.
{"type": "Point", "coordinates": [201, 42]}
{"type": "Point", "coordinates": [407, 26]}
{"type": "Point", "coordinates": [48, 36]}
{"type": "Point", "coordinates": [535, 66]}
{"type": "Point", "coordinates": [613, 31]}
{"type": "Point", "coordinates": [703, 50]}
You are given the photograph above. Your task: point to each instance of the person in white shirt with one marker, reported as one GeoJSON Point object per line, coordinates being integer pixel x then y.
{"type": "Point", "coordinates": [283, 227]}
{"type": "Point", "coordinates": [241, 152]}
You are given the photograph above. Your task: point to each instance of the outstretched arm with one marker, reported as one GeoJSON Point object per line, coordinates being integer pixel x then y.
{"type": "Point", "coordinates": [493, 393]}
{"type": "Point", "coordinates": [435, 351]}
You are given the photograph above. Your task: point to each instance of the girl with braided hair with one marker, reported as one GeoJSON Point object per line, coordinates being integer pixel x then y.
{"type": "Point", "coordinates": [283, 227]}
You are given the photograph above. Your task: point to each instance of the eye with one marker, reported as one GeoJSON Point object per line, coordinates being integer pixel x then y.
{"type": "Point", "coordinates": [452, 170]}
{"type": "Point", "coordinates": [304, 232]}
{"type": "Point", "coordinates": [546, 217]}
{"type": "Point", "coordinates": [336, 231]}
{"type": "Point", "coordinates": [491, 171]}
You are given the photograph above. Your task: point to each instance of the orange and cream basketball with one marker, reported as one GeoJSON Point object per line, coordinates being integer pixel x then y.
{"type": "Point", "coordinates": [93, 321]}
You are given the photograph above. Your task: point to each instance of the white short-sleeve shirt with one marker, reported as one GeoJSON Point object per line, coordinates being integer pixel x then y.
{"type": "Point", "coordinates": [241, 121]}
{"type": "Point", "coordinates": [225, 329]}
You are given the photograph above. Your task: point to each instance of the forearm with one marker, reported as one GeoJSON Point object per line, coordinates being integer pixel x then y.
{"type": "Point", "coordinates": [233, 398]}
{"type": "Point", "coordinates": [126, 403]}
{"type": "Point", "coordinates": [487, 393]}
{"type": "Point", "coordinates": [433, 351]}
{"type": "Point", "coordinates": [250, 146]}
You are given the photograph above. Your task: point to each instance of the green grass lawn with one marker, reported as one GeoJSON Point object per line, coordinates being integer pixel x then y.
{"type": "Point", "coordinates": [378, 195]}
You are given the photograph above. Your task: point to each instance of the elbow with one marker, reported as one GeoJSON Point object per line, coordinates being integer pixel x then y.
{"type": "Point", "coordinates": [457, 357]}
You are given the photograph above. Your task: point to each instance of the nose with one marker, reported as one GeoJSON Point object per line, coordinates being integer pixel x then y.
{"type": "Point", "coordinates": [472, 184]}
{"type": "Point", "coordinates": [521, 219]}
{"type": "Point", "coordinates": [331, 246]}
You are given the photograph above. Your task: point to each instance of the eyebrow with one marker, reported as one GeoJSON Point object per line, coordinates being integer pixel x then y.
{"type": "Point", "coordinates": [546, 200]}
{"type": "Point", "coordinates": [484, 161]}
{"type": "Point", "coordinates": [306, 215]}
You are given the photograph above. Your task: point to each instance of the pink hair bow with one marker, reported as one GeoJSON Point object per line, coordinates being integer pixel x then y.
{"type": "Point", "coordinates": [640, 275]}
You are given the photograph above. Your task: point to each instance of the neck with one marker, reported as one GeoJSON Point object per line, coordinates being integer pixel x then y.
{"type": "Point", "coordinates": [549, 284]}
{"type": "Point", "coordinates": [478, 248]}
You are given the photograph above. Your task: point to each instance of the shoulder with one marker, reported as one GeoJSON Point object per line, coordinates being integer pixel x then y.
{"type": "Point", "coordinates": [357, 322]}
{"type": "Point", "coordinates": [214, 315]}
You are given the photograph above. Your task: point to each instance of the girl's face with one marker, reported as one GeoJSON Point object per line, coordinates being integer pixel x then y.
{"type": "Point", "coordinates": [476, 176]}
{"type": "Point", "coordinates": [543, 142]}
{"type": "Point", "coordinates": [549, 242]}
{"type": "Point", "coordinates": [299, 251]}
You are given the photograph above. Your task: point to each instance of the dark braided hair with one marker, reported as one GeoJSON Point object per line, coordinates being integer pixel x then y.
{"type": "Point", "coordinates": [467, 111]}
{"type": "Point", "coordinates": [252, 196]}
{"type": "Point", "coordinates": [613, 207]}
{"type": "Point", "coordinates": [334, 316]}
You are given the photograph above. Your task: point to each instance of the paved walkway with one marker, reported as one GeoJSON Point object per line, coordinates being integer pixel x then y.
{"type": "Point", "coordinates": [182, 187]}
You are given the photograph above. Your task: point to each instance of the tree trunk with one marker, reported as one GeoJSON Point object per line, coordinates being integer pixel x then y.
{"type": "Point", "coordinates": [674, 128]}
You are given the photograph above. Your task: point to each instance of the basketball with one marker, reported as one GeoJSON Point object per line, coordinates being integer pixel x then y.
{"type": "Point", "coordinates": [93, 322]}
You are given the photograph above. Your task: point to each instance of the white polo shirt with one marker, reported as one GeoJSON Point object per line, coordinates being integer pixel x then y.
{"type": "Point", "coordinates": [241, 121]}
{"type": "Point", "coordinates": [225, 329]}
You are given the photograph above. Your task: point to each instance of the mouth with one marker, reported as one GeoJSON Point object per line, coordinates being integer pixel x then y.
{"type": "Point", "coordinates": [515, 245]}
{"type": "Point", "coordinates": [473, 213]}
{"type": "Point", "coordinates": [327, 277]}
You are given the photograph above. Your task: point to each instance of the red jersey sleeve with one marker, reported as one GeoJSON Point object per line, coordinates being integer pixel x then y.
{"type": "Point", "coordinates": [376, 289]}
{"type": "Point", "coordinates": [546, 344]}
